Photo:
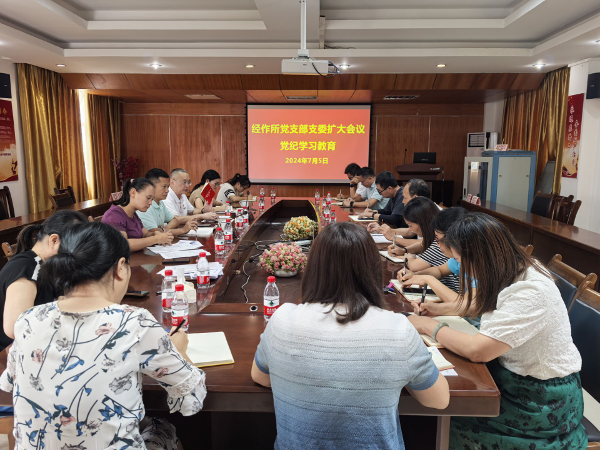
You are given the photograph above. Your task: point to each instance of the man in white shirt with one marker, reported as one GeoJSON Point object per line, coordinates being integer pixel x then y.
{"type": "Point", "coordinates": [177, 202]}
{"type": "Point", "coordinates": [358, 192]}
{"type": "Point", "coordinates": [372, 198]}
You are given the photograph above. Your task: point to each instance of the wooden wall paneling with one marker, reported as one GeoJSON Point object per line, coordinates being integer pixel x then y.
{"type": "Point", "coordinates": [394, 135]}
{"type": "Point", "coordinates": [146, 138]}
{"type": "Point", "coordinates": [472, 110]}
{"type": "Point", "coordinates": [264, 96]}
{"type": "Point", "coordinates": [222, 82]}
{"type": "Point", "coordinates": [233, 152]}
{"type": "Point", "coordinates": [414, 81]}
{"type": "Point", "coordinates": [472, 96]}
{"type": "Point", "coordinates": [454, 80]}
{"type": "Point", "coordinates": [146, 81]}
{"type": "Point", "coordinates": [391, 108]}
{"type": "Point", "coordinates": [527, 81]}
{"type": "Point", "coordinates": [298, 82]}
{"type": "Point", "coordinates": [185, 82]}
{"type": "Point", "coordinates": [502, 81]}
{"type": "Point", "coordinates": [376, 81]}
{"type": "Point", "coordinates": [367, 96]}
{"type": "Point", "coordinates": [77, 80]}
{"type": "Point", "coordinates": [169, 96]}
{"type": "Point", "coordinates": [231, 96]}
{"type": "Point", "coordinates": [127, 95]}
{"type": "Point", "coordinates": [109, 80]}
{"type": "Point", "coordinates": [344, 82]}
{"type": "Point", "coordinates": [196, 144]}
{"type": "Point", "coordinates": [186, 109]}
{"type": "Point", "coordinates": [260, 82]}
{"type": "Point", "coordinates": [335, 96]}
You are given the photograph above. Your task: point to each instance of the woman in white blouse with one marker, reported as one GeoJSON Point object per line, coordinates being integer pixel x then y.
{"type": "Point", "coordinates": [76, 366]}
{"type": "Point", "coordinates": [525, 339]}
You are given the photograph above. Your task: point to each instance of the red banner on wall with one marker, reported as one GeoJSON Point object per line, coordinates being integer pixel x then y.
{"type": "Point", "coordinates": [8, 143]}
{"type": "Point", "coordinates": [570, 160]}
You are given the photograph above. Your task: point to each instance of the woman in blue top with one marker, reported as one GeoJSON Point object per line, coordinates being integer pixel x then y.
{"type": "Point", "coordinates": [431, 276]}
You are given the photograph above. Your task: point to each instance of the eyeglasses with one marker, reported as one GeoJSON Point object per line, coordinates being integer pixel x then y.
{"type": "Point", "coordinates": [380, 191]}
{"type": "Point", "coordinates": [185, 183]}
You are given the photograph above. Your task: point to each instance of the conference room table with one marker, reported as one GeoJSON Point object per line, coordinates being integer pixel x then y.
{"type": "Point", "coordinates": [223, 307]}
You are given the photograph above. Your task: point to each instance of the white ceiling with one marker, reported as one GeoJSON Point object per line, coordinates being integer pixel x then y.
{"type": "Point", "coordinates": [222, 36]}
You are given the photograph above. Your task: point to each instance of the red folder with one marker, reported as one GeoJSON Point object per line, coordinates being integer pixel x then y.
{"type": "Point", "coordinates": [208, 193]}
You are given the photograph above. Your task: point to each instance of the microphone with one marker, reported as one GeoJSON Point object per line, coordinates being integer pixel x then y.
{"type": "Point", "coordinates": [405, 150]}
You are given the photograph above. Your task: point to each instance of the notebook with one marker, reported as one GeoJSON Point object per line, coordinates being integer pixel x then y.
{"type": "Point", "coordinates": [414, 297]}
{"type": "Point", "coordinates": [456, 323]}
{"type": "Point", "coordinates": [380, 239]}
{"type": "Point", "coordinates": [202, 232]}
{"type": "Point", "coordinates": [395, 259]}
{"type": "Point", "coordinates": [438, 359]}
{"type": "Point", "coordinates": [209, 349]}
{"type": "Point", "coordinates": [356, 219]}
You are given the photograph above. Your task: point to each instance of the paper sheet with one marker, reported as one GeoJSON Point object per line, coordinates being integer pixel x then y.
{"type": "Point", "coordinates": [190, 271]}
{"type": "Point", "coordinates": [439, 360]}
{"type": "Point", "coordinates": [209, 349]}
{"type": "Point", "coordinates": [395, 259]}
{"type": "Point", "coordinates": [202, 232]}
{"type": "Point", "coordinates": [380, 239]}
{"type": "Point", "coordinates": [356, 219]}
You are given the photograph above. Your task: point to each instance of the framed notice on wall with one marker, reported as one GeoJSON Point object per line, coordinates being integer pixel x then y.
{"type": "Point", "coordinates": [570, 160]}
{"type": "Point", "coordinates": [8, 143]}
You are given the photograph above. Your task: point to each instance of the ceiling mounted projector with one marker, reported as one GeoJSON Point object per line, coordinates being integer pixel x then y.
{"type": "Point", "coordinates": [303, 64]}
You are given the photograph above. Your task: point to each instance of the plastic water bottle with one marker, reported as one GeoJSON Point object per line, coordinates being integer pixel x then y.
{"type": "Point", "coordinates": [168, 290]}
{"type": "Point", "coordinates": [239, 218]}
{"type": "Point", "coordinates": [261, 204]}
{"type": "Point", "coordinates": [219, 241]}
{"type": "Point", "coordinates": [246, 218]}
{"type": "Point", "coordinates": [317, 198]}
{"type": "Point", "coordinates": [203, 271]}
{"type": "Point", "coordinates": [262, 192]}
{"type": "Point", "coordinates": [328, 201]}
{"type": "Point", "coordinates": [273, 195]}
{"type": "Point", "coordinates": [333, 218]}
{"type": "Point", "coordinates": [326, 212]}
{"type": "Point", "coordinates": [271, 298]}
{"type": "Point", "coordinates": [180, 309]}
{"type": "Point", "coordinates": [228, 209]}
{"type": "Point", "coordinates": [228, 232]}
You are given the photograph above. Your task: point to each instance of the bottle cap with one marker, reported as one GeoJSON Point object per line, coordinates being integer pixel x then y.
{"type": "Point", "coordinates": [271, 279]}
{"type": "Point", "coordinates": [168, 273]}
{"type": "Point", "coordinates": [202, 254]}
{"type": "Point", "coordinates": [228, 201]}
{"type": "Point", "coordinates": [179, 287]}
{"type": "Point", "coordinates": [219, 229]}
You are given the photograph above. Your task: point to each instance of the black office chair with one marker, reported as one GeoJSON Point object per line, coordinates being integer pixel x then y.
{"type": "Point", "coordinates": [542, 204]}
{"type": "Point", "coordinates": [584, 316]}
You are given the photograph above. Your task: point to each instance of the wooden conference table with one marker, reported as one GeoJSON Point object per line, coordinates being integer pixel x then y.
{"type": "Point", "coordinates": [579, 248]}
{"type": "Point", "coordinates": [230, 387]}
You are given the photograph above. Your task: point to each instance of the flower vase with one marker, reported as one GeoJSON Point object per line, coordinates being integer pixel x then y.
{"type": "Point", "coordinates": [285, 273]}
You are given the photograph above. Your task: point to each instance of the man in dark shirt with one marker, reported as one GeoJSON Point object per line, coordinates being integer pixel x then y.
{"type": "Point", "coordinates": [392, 214]}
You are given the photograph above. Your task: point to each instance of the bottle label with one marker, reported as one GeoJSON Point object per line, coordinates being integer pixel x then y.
{"type": "Point", "coordinates": [270, 309]}
{"type": "Point", "coordinates": [261, 207]}
{"type": "Point", "coordinates": [203, 279]}
{"type": "Point", "coordinates": [316, 200]}
{"type": "Point", "coordinates": [326, 215]}
{"type": "Point", "coordinates": [177, 316]}
{"type": "Point", "coordinates": [228, 237]}
{"type": "Point", "coordinates": [220, 247]}
{"type": "Point", "coordinates": [227, 213]}
{"type": "Point", "coordinates": [166, 301]}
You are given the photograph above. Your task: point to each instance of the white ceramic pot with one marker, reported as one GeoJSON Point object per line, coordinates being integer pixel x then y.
{"type": "Point", "coordinates": [285, 273]}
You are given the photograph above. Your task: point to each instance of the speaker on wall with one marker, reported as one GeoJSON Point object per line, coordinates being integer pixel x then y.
{"type": "Point", "coordinates": [593, 86]}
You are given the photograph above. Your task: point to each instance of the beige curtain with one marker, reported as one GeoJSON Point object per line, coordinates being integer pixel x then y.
{"type": "Point", "coordinates": [105, 134]}
{"type": "Point", "coordinates": [536, 121]}
{"type": "Point", "coordinates": [51, 136]}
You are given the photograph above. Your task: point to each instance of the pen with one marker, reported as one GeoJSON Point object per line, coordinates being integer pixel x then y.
{"type": "Point", "coordinates": [423, 296]}
{"type": "Point", "coordinates": [162, 228]}
{"type": "Point", "coordinates": [180, 325]}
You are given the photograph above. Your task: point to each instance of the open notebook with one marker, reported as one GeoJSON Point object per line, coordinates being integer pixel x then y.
{"type": "Point", "coordinates": [414, 297]}
{"type": "Point", "coordinates": [456, 323]}
{"type": "Point", "coordinates": [209, 349]}
{"type": "Point", "coordinates": [395, 259]}
{"type": "Point", "coordinates": [439, 360]}
{"type": "Point", "coordinates": [356, 219]}
{"type": "Point", "coordinates": [202, 232]}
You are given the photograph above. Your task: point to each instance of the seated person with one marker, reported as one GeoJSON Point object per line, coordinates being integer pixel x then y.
{"type": "Point", "coordinates": [177, 201]}
{"type": "Point", "coordinates": [357, 190]}
{"type": "Point", "coordinates": [233, 191]}
{"type": "Point", "coordinates": [414, 188]}
{"type": "Point", "coordinates": [349, 401]}
{"type": "Point", "coordinates": [525, 339]}
{"type": "Point", "coordinates": [419, 214]}
{"type": "Point", "coordinates": [391, 214]}
{"type": "Point", "coordinates": [213, 178]}
{"type": "Point", "coordinates": [138, 195]}
{"type": "Point", "coordinates": [432, 276]}
{"type": "Point", "coordinates": [373, 199]}
{"type": "Point", "coordinates": [76, 365]}
{"type": "Point", "coordinates": [157, 218]}
{"type": "Point", "coordinates": [19, 284]}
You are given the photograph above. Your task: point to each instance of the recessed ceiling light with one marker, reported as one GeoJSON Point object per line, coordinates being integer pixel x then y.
{"type": "Point", "coordinates": [539, 66]}
{"type": "Point", "coordinates": [249, 66]}
{"type": "Point", "coordinates": [344, 66]}
{"type": "Point", "coordinates": [441, 65]}
{"type": "Point", "coordinates": [61, 65]}
{"type": "Point", "coordinates": [4, 57]}
{"type": "Point", "coordinates": [155, 65]}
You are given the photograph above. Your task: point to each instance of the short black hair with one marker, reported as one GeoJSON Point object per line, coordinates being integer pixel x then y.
{"type": "Point", "coordinates": [352, 169]}
{"type": "Point", "coordinates": [366, 172]}
{"type": "Point", "coordinates": [447, 217]}
{"type": "Point", "coordinates": [418, 187]}
{"type": "Point", "coordinates": [385, 180]}
{"type": "Point", "coordinates": [156, 174]}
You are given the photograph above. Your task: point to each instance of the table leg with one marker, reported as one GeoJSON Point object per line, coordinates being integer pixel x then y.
{"type": "Point", "coordinates": [442, 440]}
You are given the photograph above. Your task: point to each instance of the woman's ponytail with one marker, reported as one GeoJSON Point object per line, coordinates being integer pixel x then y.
{"type": "Point", "coordinates": [57, 223]}
{"type": "Point", "coordinates": [27, 237]}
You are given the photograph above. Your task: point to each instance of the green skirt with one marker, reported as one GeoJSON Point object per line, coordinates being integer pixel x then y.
{"type": "Point", "coordinates": [534, 415]}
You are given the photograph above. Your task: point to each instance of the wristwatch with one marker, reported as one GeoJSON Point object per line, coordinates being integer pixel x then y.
{"type": "Point", "coordinates": [351, 203]}
{"type": "Point", "coordinates": [373, 216]}
{"type": "Point", "coordinates": [353, 185]}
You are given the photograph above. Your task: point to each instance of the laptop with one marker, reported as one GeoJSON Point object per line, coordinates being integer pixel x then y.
{"type": "Point", "coordinates": [424, 157]}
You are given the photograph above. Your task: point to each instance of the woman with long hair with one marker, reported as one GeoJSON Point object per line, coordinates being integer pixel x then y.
{"type": "Point", "coordinates": [233, 190]}
{"type": "Point", "coordinates": [338, 361]}
{"type": "Point", "coordinates": [419, 215]}
{"type": "Point", "coordinates": [76, 366]}
{"type": "Point", "coordinates": [525, 339]}
{"type": "Point", "coordinates": [19, 282]}
{"type": "Point", "coordinates": [137, 195]}
{"type": "Point", "coordinates": [212, 178]}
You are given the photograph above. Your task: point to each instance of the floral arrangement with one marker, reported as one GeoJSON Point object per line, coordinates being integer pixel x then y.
{"type": "Point", "coordinates": [283, 257]}
{"type": "Point", "coordinates": [299, 228]}
{"type": "Point", "coordinates": [126, 168]}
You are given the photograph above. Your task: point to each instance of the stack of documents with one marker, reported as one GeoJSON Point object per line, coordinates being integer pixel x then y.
{"type": "Point", "coordinates": [181, 249]}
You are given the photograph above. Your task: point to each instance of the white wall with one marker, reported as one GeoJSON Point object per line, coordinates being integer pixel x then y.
{"type": "Point", "coordinates": [18, 189]}
{"type": "Point", "coordinates": [586, 187]}
{"type": "Point", "coordinates": [492, 116]}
